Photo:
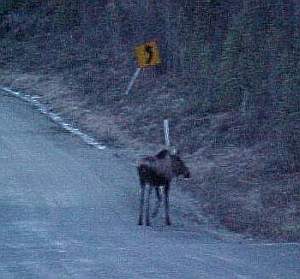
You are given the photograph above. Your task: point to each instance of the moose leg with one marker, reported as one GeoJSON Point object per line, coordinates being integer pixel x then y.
{"type": "Point", "coordinates": [148, 206]}
{"type": "Point", "coordinates": [158, 202]}
{"type": "Point", "coordinates": [166, 190]}
{"type": "Point", "coordinates": [142, 203]}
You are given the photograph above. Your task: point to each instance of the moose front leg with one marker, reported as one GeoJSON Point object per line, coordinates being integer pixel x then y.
{"type": "Point", "coordinates": [148, 206]}
{"type": "Point", "coordinates": [142, 203]}
{"type": "Point", "coordinates": [166, 190]}
{"type": "Point", "coordinates": [158, 202]}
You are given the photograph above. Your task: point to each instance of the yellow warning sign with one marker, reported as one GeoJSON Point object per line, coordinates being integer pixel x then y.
{"type": "Point", "coordinates": [147, 54]}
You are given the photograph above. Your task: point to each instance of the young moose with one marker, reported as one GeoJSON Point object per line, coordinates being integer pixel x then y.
{"type": "Point", "coordinates": [158, 171]}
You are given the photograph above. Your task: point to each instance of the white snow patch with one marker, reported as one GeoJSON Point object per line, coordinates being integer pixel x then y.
{"type": "Point", "coordinates": [55, 117]}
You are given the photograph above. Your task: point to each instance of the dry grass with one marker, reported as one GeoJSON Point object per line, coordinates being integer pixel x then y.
{"type": "Point", "coordinates": [236, 179]}
{"type": "Point", "coordinates": [230, 181]}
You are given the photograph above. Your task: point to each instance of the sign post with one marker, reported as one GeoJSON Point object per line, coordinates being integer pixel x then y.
{"type": "Point", "coordinates": [166, 132]}
{"type": "Point", "coordinates": [136, 74]}
{"type": "Point", "coordinates": [147, 55]}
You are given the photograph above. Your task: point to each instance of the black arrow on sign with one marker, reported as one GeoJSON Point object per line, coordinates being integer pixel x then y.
{"type": "Point", "coordinates": [149, 51]}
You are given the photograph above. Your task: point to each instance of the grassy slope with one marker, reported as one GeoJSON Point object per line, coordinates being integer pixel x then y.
{"type": "Point", "coordinates": [240, 184]}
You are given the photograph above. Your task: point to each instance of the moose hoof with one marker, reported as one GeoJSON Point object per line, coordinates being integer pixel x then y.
{"type": "Point", "coordinates": [168, 223]}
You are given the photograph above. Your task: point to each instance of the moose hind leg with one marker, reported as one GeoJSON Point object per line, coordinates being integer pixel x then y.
{"type": "Point", "coordinates": [166, 196]}
{"type": "Point", "coordinates": [142, 198]}
{"type": "Point", "coordinates": [158, 202]}
{"type": "Point", "coordinates": [148, 206]}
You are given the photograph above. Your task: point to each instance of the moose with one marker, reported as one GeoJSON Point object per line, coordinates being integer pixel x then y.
{"type": "Point", "coordinates": [158, 171]}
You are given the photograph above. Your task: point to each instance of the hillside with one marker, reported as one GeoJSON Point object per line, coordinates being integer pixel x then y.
{"type": "Point", "coordinates": [229, 83]}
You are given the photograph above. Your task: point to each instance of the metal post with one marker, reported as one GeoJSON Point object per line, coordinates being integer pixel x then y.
{"type": "Point", "coordinates": [138, 70]}
{"type": "Point", "coordinates": [166, 131]}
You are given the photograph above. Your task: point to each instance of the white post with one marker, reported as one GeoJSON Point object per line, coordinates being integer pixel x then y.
{"type": "Point", "coordinates": [244, 102]}
{"type": "Point", "coordinates": [138, 70]}
{"type": "Point", "coordinates": [166, 131]}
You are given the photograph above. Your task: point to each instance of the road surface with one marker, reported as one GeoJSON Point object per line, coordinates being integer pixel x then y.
{"type": "Point", "coordinates": [68, 210]}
